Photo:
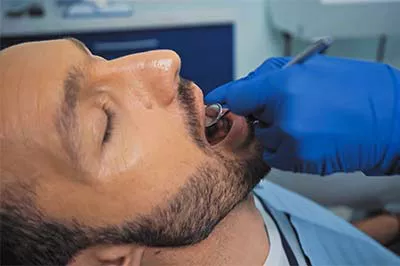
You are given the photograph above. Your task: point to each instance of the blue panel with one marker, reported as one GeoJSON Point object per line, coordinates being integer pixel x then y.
{"type": "Point", "coordinates": [206, 51]}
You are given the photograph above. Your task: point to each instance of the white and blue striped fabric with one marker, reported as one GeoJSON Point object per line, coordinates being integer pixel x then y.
{"type": "Point", "coordinates": [325, 238]}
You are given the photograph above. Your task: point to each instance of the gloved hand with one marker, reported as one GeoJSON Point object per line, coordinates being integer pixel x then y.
{"type": "Point", "coordinates": [323, 116]}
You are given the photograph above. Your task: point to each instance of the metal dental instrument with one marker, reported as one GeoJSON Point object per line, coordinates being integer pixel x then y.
{"type": "Point", "coordinates": [317, 47]}
{"type": "Point", "coordinates": [216, 111]}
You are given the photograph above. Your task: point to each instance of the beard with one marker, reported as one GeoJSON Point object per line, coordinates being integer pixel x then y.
{"type": "Point", "coordinates": [29, 237]}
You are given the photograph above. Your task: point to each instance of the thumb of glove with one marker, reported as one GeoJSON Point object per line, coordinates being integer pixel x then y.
{"type": "Point", "coordinates": [247, 90]}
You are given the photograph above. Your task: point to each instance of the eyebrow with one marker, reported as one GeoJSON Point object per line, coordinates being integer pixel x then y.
{"type": "Point", "coordinates": [66, 120]}
{"type": "Point", "coordinates": [78, 44]}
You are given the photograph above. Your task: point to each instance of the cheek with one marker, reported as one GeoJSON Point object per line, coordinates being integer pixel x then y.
{"type": "Point", "coordinates": [144, 165]}
{"type": "Point", "coordinates": [155, 140]}
{"type": "Point", "coordinates": [88, 137]}
{"type": "Point", "coordinates": [155, 178]}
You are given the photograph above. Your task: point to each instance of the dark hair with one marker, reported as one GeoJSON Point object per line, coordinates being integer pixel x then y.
{"type": "Point", "coordinates": [28, 239]}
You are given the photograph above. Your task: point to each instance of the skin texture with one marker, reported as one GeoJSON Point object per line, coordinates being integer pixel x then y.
{"type": "Point", "coordinates": [383, 228]}
{"type": "Point", "coordinates": [108, 162]}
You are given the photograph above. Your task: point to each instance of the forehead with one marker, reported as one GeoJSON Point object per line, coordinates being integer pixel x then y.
{"type": "Point", "coordinates": [41, 54]}
{"type": "Point", "coordinates": [37, 63]}
{"type": "Point", "coordinates": [32, 76]}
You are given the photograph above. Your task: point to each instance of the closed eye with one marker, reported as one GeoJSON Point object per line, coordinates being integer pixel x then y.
{"type": "Point", "coordinates": [109, 126]}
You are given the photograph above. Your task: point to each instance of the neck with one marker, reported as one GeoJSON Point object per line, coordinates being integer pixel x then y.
{"type": "Point", "coordinates": [239, 239]}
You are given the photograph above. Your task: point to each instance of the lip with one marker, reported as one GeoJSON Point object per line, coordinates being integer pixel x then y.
{"type": "Point", "coordinates": [237, 134]}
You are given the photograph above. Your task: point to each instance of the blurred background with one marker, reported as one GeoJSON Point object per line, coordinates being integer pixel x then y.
{"type": "Point", "coordinates": [218, 40]}
{"type": "Point", "coordinates": [221, 40]}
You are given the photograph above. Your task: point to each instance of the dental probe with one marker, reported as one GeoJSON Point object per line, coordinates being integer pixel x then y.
{"type": "Point", "coordinates": [317, 47]}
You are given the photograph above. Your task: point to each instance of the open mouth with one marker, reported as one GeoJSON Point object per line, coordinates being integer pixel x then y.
{"type": "Point", "coordinates": [218, 132]}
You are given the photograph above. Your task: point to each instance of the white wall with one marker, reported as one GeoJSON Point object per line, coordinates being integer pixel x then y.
{"type": "Point", "coordinates": [364, 49]}
{"type": "Point", "coordinates": [254, 23]}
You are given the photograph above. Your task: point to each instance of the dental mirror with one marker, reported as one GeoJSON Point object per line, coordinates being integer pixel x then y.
{"type": "Point", "coordinates": [214, 113]}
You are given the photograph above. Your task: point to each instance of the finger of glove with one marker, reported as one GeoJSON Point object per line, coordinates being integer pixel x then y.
{"type": "Point", "coordinates": [270, 137]}
{"type": "Point", "coordinates": [239, 96]}
{"type": "Point", "coordinates": [274, 161]}
{"type": "Point", "coordinates": [219, 94]}
{"type": "Point", "coordinates": [282, 158]}
{"type": "Point", "coordinates": [271, 64]}
{"type": "Point", "coordinates": [287, 158]}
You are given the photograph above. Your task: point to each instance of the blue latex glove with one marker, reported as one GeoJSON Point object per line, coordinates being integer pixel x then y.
{"type": "Point", "coordinates": [323, 116]}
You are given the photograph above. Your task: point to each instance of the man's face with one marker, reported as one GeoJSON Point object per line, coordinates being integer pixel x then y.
{"type": "Point", "coordinates": [118, 145]}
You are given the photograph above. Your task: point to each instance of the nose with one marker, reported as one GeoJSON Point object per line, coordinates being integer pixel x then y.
{"type": "Point", "coordinates": [154, 72]}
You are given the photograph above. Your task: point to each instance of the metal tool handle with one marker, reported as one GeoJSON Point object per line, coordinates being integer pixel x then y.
{"type": "Point", "coordinates": [315, 48]}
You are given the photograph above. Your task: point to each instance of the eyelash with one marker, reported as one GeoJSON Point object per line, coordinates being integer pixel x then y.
{"type": "Point", "coordinates": [109, 125]}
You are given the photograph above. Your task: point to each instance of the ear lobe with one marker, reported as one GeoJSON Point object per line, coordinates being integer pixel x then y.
{"type": "Point", "coordinates": [132, 258]}
{"type": "Point", "coordinates": [122, 261]}
{"type": "Point", "coordinates": [107, 255]}
{"type": "Point", "coordinates": [120, 255]}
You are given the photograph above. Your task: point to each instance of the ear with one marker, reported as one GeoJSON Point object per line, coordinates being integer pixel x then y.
{"type": "Point", "coordinates": [109, 255]}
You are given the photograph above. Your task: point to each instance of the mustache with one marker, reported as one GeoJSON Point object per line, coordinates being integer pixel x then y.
{"type": "Point", "coordinates": [187, 101]}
